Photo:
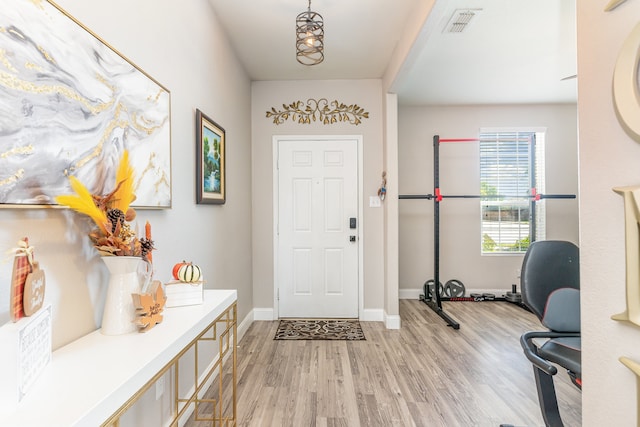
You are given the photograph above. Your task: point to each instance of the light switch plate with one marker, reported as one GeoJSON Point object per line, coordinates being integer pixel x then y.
{"type": "Point", "coordinates": [374, 201]}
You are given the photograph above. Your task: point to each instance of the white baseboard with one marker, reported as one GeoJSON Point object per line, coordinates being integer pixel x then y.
{"type": "Point", "coordinates": [263, 314]}
{"type": "Point", "coordinates": [372, 315]}
{"type": "Point", "coordinates": [379, 315]}
{"type": "Point", "coordinates": [367, 315]}
{"type": "Point", "coordinates": [410, 293]}
{"type": "Point", "coordinates": [244, 325]}
{"type": "Point", "coordinates": [392, 321]}
{"type": "Point", "coordinates": [415, 293]}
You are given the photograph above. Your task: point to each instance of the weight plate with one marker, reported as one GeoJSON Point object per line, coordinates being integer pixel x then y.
{"type": "Point", "coordinates": [476, 296]}
{"type": "Point", "coordinates": [428, 288]}
{"type": "Point", "coordinates": [513, 297]}
{"type": "Point", "coordinates": [454, 288]}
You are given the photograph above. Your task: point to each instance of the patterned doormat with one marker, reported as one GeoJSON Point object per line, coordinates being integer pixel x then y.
{"type": "Point", "coordinates": [319, 329]}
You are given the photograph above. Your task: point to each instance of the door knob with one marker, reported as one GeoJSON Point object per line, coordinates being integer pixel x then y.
{"type": "Point", "coordinates": [352, 238]}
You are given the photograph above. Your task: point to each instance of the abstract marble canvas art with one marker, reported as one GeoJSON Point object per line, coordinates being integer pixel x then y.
{"type": "Point", "coordinates": [70, 105]}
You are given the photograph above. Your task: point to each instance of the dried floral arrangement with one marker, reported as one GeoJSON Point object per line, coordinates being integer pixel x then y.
{"type": "Point", "coordinates": [111, 214]}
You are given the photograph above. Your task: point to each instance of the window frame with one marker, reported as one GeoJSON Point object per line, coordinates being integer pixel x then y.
{"type": "Point", "coordinates": [536, 215]}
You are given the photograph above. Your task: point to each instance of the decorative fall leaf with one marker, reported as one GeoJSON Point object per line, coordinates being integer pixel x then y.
{"type": "Point", "coordinates": [83, 202]}
{"type": "Point", "coordinates": [149, 306]}
{"type": "Point", "coordinates": [124, 178]}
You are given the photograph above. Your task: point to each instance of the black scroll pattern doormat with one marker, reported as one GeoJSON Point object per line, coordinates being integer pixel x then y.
{"type": "Point", "coordinates": [319, 329]}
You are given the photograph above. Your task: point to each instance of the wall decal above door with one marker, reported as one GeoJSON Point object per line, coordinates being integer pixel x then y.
{"type": "Point", "coordinates": [70, 105]}
{"type": "Point", "coordinates": [319, 110]}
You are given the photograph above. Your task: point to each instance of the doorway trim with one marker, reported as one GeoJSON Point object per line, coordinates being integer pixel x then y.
{"type": "Point", "coordinates": [275, 140]}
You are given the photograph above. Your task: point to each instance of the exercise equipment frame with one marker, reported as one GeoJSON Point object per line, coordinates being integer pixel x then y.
{"type": "Point", "coordinates": [437, 197]}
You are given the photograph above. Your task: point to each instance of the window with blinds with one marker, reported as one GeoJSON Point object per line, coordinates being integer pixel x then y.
{"type": "Point", "coordinates": [511, 166]}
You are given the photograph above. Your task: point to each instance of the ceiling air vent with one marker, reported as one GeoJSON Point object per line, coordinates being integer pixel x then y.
{"type": "Point", "coordinates": [460, 20]}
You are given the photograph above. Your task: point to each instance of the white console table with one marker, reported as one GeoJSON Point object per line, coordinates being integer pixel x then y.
{"type": "Point", "coordinates": [95, 379]}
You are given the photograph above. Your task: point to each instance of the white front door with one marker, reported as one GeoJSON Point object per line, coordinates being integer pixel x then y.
{"type": "Point", "coordinates": [317, 228]}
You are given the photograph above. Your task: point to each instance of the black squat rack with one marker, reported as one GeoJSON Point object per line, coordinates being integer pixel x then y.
{"type": "Point", "coordinates": [434, 299]}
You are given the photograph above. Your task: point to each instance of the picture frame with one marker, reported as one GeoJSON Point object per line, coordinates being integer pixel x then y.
{"type": "Point", "coordinates": [75, 114]}
{"type": "Point", "coordinates": [210, 161]}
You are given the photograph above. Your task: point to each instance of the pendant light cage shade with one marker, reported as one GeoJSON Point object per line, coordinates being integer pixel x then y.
{"type": "Point", "coordinates": [309, 37]}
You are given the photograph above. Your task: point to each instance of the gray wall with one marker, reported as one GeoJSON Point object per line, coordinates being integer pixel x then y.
{"type": "Point", "coordinates": [265, 95]}
{"type": "Point", "coordinates": [200, 69]}
{"type": "Point", "coordinates": [609, 158]}
{"type": "Point", "coordinates": [182, 45]}
{"type": "Point", "coordinates": [460, 239]}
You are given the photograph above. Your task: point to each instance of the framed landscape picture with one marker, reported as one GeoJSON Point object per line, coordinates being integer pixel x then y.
{"type": "Point", "coordinates": [210, 161]}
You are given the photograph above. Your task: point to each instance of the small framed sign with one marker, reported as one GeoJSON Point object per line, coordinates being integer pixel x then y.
{"type": "Point", "coordinates": [34, 350]}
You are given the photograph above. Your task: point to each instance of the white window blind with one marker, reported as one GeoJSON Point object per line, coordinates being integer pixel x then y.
{"type": "Point", "coordinates": [511, 165]}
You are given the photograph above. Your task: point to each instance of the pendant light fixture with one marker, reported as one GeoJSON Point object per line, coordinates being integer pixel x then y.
{"type": "Point", "coordinates": [309, 37]}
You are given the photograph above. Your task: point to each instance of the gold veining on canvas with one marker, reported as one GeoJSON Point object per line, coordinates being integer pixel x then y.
{"type": "Point", "coordinates": [149, 169]}
{"type": "Point", "coordinates": [32, 66]}
{"type": "Point", "coordinates": [162, 182]}
{"type": "Point", "coordinates": [105, 82]}
{"type": "Point", "coordinates": [46, 54]}
{"type": "Point", "coordinates": [13, 178]}
{"type": "Point", "coordinates": [114, 124]}
{"type": "Point", "coordinates": [27, 149]}
{"type": "Point", "coordinates": [5, 61]}
{"type": "Point", "coordinates": [155, 99]}
{"type": "Point", "coordinates": [38, 4]}
{"type": "Point", "coordinates": [149, 130]}
{"type": "Point", "coordinates": [12, 82]}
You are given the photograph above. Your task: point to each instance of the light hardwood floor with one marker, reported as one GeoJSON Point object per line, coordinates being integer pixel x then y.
{"type": "Point", "coordinates": [425, 374]}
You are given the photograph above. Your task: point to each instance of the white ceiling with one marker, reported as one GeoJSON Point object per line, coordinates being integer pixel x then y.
{"type": "Point", "coordinates": [513, 51]}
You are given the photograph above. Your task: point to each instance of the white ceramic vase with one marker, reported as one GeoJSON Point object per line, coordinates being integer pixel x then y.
{"type": "Point", "coordinates": [119, 313]}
